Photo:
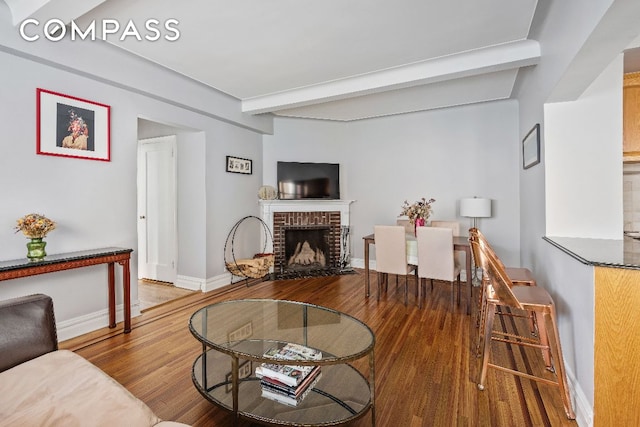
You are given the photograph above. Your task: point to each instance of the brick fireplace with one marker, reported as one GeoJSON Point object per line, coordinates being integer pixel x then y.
{"type": "Point", "coordinates": [310, 238]}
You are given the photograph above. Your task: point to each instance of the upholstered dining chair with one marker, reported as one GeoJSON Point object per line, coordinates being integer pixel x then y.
{"type": "Point", "coordinates": [455, 226]}
{"type": "Point", "coordinates": [500, 292]}
{"type": "Point", "coordinates": [436, 259]}
{"type": "Point", "coordinates": [391, 256]}
{"type": "Point", "coordinates": [406, 223]}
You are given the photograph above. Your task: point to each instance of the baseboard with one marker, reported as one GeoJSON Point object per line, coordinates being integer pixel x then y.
{"type": "Point", "coordinates": [359, 263]}
{"type": "Point", "coordinates": [81, 325]}
{"type": "Point", "coordinates": [217, 282]}
{"type": "Point", "coordinates": [191, 283]}
{"type": "Point", "coordinates": [582, 407]}
{"type": "Point", "coordinates": [204, 285]}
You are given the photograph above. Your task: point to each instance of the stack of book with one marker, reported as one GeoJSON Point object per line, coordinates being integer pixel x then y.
{"type": "Point", "coordinates": [288, 384]}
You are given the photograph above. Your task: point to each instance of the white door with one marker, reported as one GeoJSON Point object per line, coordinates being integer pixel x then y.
{"type": "Point", "coordinates": [157, 209]}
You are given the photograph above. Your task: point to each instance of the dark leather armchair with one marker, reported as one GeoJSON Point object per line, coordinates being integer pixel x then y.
{"type": "Point", "coordinates": [27, 329]}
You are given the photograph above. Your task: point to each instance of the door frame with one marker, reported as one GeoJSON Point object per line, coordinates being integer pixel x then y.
{"type": "Point", "coordinates": [141, 203]}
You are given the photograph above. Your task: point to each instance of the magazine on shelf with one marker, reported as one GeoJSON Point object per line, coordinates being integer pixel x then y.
{"type": "Point", "coordinates": [289, 400]}
{"type": "Point", "coordinates": [290, 375]}
{"type": "Point", "coordinates": [287, 374]}
{"type": "Point", "coordinates": [292, 351]}
{"type": "Point", "coordinates": [275, 385]}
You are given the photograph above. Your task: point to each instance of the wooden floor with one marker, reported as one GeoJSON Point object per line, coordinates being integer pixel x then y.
{"type": "Point", "coordinates": [152, 293]}
{"type": "Point", "coordinates": [425, 369]}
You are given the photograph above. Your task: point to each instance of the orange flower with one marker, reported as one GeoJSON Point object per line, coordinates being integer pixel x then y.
{"type": "Point", "coordinates": [35, 226]}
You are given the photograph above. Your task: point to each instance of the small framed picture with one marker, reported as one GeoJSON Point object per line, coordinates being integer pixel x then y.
{"type": "Point", "coordinates": [531, 148]}
{"type": "Point", "coordinates": [242, 333]}
{"type": "Point", "coordinates": [245, 369]}
{"type": "Point", "coordinates": [68, 126]}
{"type": "Point", "coordinates": [238, 165]}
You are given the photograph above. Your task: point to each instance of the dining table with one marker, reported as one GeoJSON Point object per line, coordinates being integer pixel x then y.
{"type": "Point", "coordinates": [460, 243]}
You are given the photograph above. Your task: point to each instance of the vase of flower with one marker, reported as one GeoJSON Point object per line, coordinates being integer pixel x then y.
{"type": "Point", "coordinates": [420, 222]}
{"type": "Point", "coordinates": [35, 249]}
{"type": "Point", "coordinates": [417, 212]}
{"type": "Point", "coordinates": [35, 227]}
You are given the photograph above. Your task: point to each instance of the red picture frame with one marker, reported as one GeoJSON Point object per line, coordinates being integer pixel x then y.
{"type": "Point", "coordinates": [68, 126]}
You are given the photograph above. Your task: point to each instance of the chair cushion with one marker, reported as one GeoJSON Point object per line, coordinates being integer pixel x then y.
{"type": "Point", "coordinates": [520, 276]}
{"type": "Point", "coordinates": [63, 389]}
{"type": "Point", "coordinates": [532, 296]}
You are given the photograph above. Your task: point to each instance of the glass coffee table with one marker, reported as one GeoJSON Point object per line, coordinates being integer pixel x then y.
{"type": "Point", "coordinates": [235, 336]}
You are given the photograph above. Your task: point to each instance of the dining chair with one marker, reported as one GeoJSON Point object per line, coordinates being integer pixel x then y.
{"type": "Point", "coordinates": [501, 292]}
{"type": "Point", "coordinates": [436, 259]}
{"type": "Point", "coordinates": [519, 276]}
{"type": "Point", "coordinates": [406, 223]}
{"type": "Point", "coordinates": [455, 226]}
{"type": "Point", "coordinates": [391, 256]}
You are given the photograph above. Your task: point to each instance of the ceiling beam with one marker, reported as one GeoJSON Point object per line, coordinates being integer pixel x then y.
{"type": "Point", "coordinates": [475, 62]}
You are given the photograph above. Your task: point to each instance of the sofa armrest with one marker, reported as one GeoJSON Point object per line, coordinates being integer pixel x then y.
{"type": "Point", "coordinates": [27, 329]}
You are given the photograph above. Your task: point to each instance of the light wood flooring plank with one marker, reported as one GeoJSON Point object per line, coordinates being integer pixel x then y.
{"type": "Point", "coordinates": [425, 363]}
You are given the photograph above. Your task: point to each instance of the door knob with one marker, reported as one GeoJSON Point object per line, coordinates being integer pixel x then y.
{"type": "Point", "coordinates": [142, 217]}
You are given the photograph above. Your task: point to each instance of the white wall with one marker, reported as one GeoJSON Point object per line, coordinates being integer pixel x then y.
{"type": "Point", "coordinates": [584, 161]}
{"type": "Point", "coordinates": [571, 284]}
{"type": "Point", "coordinates": [576, 41]}
{"type": "Point", "coordinates": [446, 154]}
{"type": "Point", "coordinates": [562, 29]}
{"type": "Point", "coordinates": [94, 203]}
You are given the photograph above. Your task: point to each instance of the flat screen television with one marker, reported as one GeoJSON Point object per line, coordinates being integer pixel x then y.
{"type": "Point", "coordinates": [298, 180]}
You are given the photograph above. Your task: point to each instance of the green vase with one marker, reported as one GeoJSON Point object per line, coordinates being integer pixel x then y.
{"type": "Point", "coordinates": [35, 249]}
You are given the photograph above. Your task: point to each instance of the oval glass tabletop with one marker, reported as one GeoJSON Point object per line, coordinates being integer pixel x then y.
{"type": "Point", "coordinates": [239, 339]}
{"type": "Point", "coordinates": [248, 328]}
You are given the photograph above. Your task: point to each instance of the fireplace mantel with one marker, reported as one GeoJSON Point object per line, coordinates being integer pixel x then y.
{"type": "Point", "coordinates": [269, 207]}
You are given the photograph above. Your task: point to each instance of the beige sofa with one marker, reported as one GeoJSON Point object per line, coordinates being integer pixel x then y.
{"type": "Point", "coordinates": [43, 386]}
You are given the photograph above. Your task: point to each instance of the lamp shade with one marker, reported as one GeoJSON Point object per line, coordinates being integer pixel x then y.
{"type": "Point", "coordinates": [475, 207]}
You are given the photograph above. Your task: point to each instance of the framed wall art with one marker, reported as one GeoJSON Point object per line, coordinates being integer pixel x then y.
{"type": "Point", "coordinates": [531, 148]}
{"type": "Point", "coordinates": [238, 165]}
{"type": "Point", "coordinates": [242, 333]}
{"type": "Point", "coordinates": [68, 126]}
{"type": "Point", "coordinates": [245, 369]}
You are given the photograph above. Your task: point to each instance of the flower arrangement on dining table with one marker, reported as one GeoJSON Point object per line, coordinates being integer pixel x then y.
{"type": "Point", "coordinates": [35, 226]}
{"type": "Point", "coordinates": [417, 212]}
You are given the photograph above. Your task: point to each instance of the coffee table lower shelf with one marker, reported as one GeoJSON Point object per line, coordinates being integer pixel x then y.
{"type": "Point", "coordinates": [340, 396]}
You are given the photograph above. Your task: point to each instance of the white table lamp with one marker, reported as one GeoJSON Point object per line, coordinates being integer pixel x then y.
{"type": "Point", "coordinates": [475, 208]}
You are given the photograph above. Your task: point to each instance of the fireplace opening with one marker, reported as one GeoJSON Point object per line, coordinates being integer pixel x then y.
{"type": "Point", "coordinates": [307, 249]}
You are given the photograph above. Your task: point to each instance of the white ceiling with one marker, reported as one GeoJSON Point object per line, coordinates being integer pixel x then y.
{"type": "Point", "coordinates": [329, 59]}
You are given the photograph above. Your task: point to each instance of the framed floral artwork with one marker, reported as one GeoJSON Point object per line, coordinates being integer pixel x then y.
{"type": "Point", "coordinates": [68, 126]}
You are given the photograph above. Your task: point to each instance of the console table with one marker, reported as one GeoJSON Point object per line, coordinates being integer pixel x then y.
{"type": "Point", "coordinates": [24, 267]}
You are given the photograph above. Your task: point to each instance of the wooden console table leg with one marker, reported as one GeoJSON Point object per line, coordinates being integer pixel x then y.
{"type": "Point", "coordinates": [126, 284]}
{"type": "Point", "coordinates": [366, 267]}
{"type": "Point", "coordinates": [112, 296]}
